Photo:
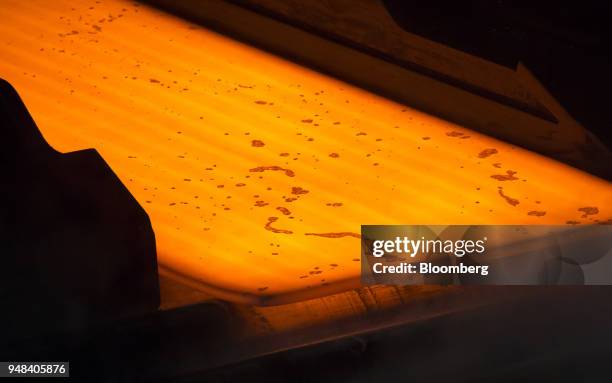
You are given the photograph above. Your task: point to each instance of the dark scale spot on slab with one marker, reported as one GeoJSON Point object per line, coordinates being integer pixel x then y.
{"type": "Point", "coordinates": [283, 210]}
{"type": "Point", "coordinates": [261, 102]}
{"type": "Point", "coordinates": [262, 288]}
{"type": "Point", "coordinates": [334, 155]}
{"type": "Point", "coordinates": [487, 153]}
{"type": "Point", "coordinates": [288, 172]}
{"type": "Point", "coordinates": [269, 227]}
{"type": "Point", "coordinates": [509, 176]}
{"type": "Point", "coordinates": [298, 190]}
{"type": "Point", "coordinates": [257, 143]}
{"type": "Point", "coordinates": [537, 213]}
{"type": "Point", "coordinates": [335, 235]}
{"type": "Point", "coordinates": [588, 210]}
{"type": "Point", "coordinates": [510, 200]}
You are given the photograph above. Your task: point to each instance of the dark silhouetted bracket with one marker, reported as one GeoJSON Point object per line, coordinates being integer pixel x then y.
{"type": "Point", "coordinates": [78, 251]}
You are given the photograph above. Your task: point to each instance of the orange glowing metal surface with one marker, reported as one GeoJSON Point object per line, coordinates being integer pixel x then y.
{"type": "Point", "coordinates": [256, 172]}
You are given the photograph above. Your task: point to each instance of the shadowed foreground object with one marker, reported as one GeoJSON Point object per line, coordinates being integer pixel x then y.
{"type": "Point", "coordinates": [256, 172]}
{"type": "Point", "coordinates": [78, 250]}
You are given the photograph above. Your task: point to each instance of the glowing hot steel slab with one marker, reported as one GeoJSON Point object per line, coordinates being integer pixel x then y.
{"type": "Point", "coordinates": [256, 172]}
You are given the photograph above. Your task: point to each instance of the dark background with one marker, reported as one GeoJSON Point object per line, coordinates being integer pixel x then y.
{"type": "Point", "coordinates": [564, 43]}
